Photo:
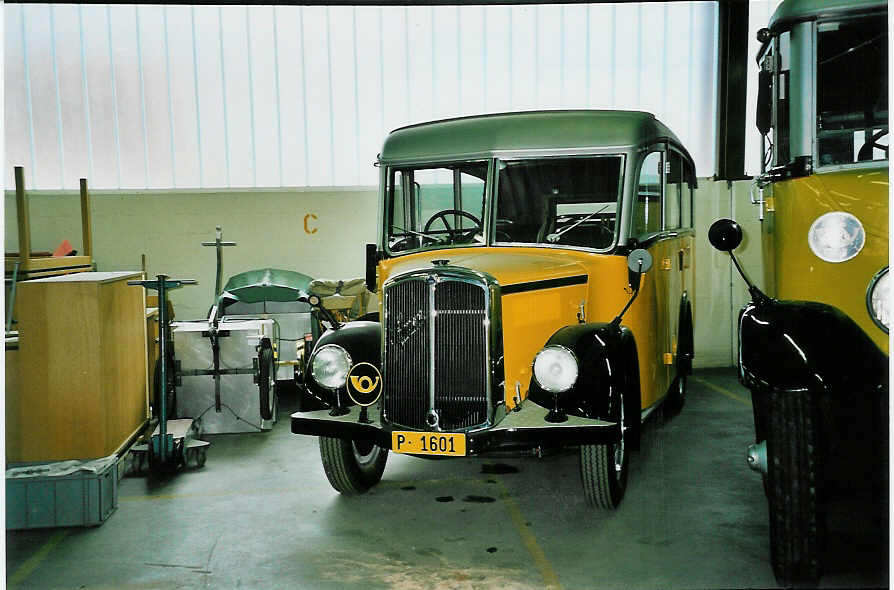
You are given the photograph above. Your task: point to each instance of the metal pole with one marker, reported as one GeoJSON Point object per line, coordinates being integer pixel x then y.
{"type": "Point", "coordinates": [163, 351]}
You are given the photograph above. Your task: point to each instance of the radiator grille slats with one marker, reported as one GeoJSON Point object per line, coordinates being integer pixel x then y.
{"type": "Point", "coordinates": [460, 361]}
{"type": "Point", "coordinates": [460, 351]}
{"type": "Point", "coordinates": [407, 353]}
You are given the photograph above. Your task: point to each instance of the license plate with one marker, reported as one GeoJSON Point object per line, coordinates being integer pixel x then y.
{"type": "Point", "coordinates": [427, 443]}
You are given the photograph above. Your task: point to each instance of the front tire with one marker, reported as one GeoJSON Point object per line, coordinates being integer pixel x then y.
{"type": "Point", "coordinates": [676, 398]}
{"type": "Point", "coordinates": [603, 468]}
{"type": "Point", "coordinates": [796, 515]}
{"type": "Point", "coordinates": [352, 467]}
{"type": "Point", "coordinates": [266, 383]}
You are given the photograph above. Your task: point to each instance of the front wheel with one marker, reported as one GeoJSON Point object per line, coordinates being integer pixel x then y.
{"type": "Point", "coordinates": [266, 380]}
{"type": "Point", "coordinates": [352, 467]}
{"type": "Point", "coordinates": [796, 514]}
{"type": "Point", "coordinates": [676, 398]}
{"type": "Point", "coordinates": [603, 468]}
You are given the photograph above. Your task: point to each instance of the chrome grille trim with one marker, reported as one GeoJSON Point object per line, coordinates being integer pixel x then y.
{"type": "Point", "coordinates": [464, 335]}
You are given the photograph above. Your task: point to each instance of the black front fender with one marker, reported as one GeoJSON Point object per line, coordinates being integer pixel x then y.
{"type": "Point", "coordinates": [363, 342]}
{"type": "Point", "coordinates": [607, 366]}
{"type": "Point", "coordinates": [806, 345]}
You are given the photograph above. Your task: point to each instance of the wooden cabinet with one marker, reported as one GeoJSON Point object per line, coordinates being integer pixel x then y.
{"type": "Point", "coordinates": [82, 367]}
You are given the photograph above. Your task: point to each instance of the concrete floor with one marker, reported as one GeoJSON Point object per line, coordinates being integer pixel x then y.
{"type": "Point", "coordinates": [261, 514]}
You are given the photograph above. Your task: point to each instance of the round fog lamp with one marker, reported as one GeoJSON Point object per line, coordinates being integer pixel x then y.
{"type": "Point", "coordinates": [877, 300]}
{"type": "Point", "coordinates": [836, 236]}
{"type": "Point", "coordinates": [330, 365]}
{"type": "Point", "coordinates": [555, 369]}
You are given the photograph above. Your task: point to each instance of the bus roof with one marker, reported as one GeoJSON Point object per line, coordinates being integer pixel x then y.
{"type": "Point", "coordinates": [791, 12]}
{"type": "Point", "coordinates": [532, 131]}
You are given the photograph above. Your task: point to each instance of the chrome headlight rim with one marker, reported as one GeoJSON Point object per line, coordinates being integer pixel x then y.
{"type": "Point", "coordinates": [873, 282]}
{"type": "Point", "coordinates": [818, 250]}
{"type": "Point", "coordinates": [335, 384]}
{"type": "Point", "coordinates": [564, 350]}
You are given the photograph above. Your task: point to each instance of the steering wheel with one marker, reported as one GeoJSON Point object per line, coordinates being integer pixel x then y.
{"type": "Point", "coordinates": [456, 234]}
{"type": "Point", "coordinates": [865, 152]}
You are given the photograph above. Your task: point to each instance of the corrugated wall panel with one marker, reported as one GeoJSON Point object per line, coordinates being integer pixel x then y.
{"type": "Point", "coordinates": [260, 96]}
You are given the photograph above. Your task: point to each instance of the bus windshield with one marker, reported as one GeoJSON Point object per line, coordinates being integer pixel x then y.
{"type": "Point", "coordinates": [559, 201]}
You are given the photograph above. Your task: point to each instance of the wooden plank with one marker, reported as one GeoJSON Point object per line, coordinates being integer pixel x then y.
{"type": "Point", "coordinates": [52, 262]}
{"type": "Point", "coordinates": [86, 220]}
{"type": "Point", "coordinates": [38, 274]}
{"type": "Point", "coordinates": [23, 214]}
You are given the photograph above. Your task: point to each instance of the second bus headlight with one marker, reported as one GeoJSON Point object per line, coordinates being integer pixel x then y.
{"type": "Point", "coordinates": [877, 299]}
{"type": "Point", "coordinates": [330, 365]}
{"type": "Point", "coordinates": [836, 236]}
{"type": "Point", "coordinates": [555, 369]}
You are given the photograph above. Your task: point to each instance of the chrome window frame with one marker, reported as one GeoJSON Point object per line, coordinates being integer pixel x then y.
{"type": "Point", "coordinates": [564, 154]}
{"type": "Point", "coordinates": [388, 167]}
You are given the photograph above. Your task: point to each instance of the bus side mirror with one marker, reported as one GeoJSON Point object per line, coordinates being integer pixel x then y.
{"type": "Point", "coordinates": [638, 263]}
{"type": "Point", "coordinates": [764, 102]}
{"type": "Point", "coordinates": [725, 235]}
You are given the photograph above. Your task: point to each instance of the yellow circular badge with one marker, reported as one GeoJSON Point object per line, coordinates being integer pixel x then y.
{"type": "Point", "coordinates": [364, 384]}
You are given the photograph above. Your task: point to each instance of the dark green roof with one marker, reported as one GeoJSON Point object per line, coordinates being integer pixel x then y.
{"type": "Point", "coordinates": [791, 12]}
{"type": "Point", "coordinates": [485, 135]}
{"type": "Point", "coordinates": [266, 284]}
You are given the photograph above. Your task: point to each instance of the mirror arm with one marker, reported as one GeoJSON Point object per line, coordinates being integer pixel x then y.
{"type": "Point", "coordinates": [616, 323]}
{"type": "Point", "coordinates": [756, 294]}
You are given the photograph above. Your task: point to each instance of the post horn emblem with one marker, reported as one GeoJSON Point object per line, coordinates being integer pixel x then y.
{"type": "Point", "coordinates": [364, 384]}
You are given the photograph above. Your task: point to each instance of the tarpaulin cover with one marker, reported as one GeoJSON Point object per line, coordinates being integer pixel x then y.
{"type": "Point", "coordinates": [266, 284]}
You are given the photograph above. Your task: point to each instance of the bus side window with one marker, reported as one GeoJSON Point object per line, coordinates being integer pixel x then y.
{"type": "Point", "coordinates": [688, 189]}
{"type": "Point", "coordinates": [647, 209]}
{"type": "Point", "coordinates": [673, 190]}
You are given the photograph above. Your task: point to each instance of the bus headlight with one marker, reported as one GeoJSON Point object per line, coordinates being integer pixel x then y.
{"type": "Point", "coordinates": [877, 299]}
{"type": "Point", "coordinates": [555, 369]}
{"type": "Point", "coordinates": [329, 366]}
{"type": "Point", "coordinates": [836, 236]}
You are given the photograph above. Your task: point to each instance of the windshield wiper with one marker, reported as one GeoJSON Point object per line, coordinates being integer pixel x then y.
{"type": "Point", "coordinates": [554, 237]}
{"type": "Point", "coordinates": [852, 49]}
{"type": "Point", "coordinates": [410, 231]}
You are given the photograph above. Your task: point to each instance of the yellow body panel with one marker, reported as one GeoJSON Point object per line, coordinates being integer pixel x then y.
{"type": "Point", "coordinates": [531, 317]}
{"type": "Point", "coordinates": [792, 271]}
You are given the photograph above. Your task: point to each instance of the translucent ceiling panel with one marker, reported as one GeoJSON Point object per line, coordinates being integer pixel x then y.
{"type": "Point", "coordinates": [181, 75]}
{"type": "Point", "coordinates": [496, 60]}
{"type": "Point", "coordinates": [159, 142]}
{"type": "Point", "coordinates": [601, 71]}
{"type": "Point", "coordinates": [264, 117]}
{"type": "Point", "coordinates": [234, 56]}
{"type": "Point", "coordinates": [473, 59]}
{"type": "Point", "coordinates": [235, 96]}
{"type": "Point", "coordinates": [344, 96]}
{"type": "Point", "coordinates": [17, 100]}
{"type": "Point", "coordinates": [548, 39]}
{"type": "Point", "coordinates": [291, 102]}
{"type": "Point", "coordinates": [71, 94]}
{"type": "Point", "coordinates": [574, 43]}
{"type": "Point", "coordinates": [211, 107]}
{"type": "Point", "coordinates": [48, 170]}
{"type": "Point", "coordinates": [523, 57]}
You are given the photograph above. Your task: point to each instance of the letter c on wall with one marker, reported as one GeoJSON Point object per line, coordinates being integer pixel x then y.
{"type": "Point", "coordinates": [307, 228]}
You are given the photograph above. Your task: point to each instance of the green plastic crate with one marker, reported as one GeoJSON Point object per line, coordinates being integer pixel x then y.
{"type": "Point", "coordinates": [84, 498]}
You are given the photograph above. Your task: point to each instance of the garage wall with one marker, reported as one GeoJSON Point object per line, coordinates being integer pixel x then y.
{"type": "Point", "coordinates": [322, 233]}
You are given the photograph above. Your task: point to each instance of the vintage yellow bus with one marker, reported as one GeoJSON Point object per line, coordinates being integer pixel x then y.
{"type": "Point", "coordinates": [515, 311]}
{"type": "Point", "coordinates": [813, 344]}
